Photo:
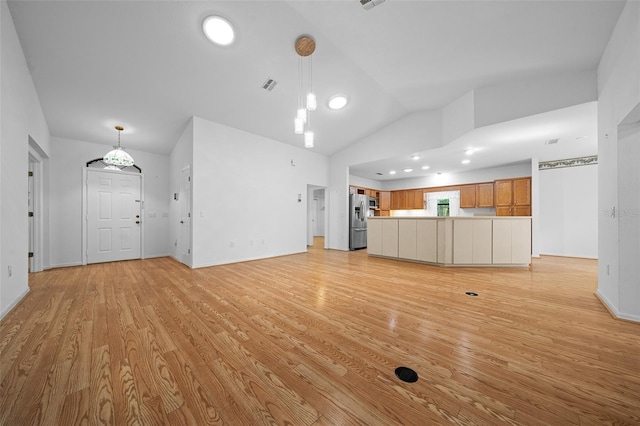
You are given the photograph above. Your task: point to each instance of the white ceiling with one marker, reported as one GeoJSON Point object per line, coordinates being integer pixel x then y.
{"type": "Point", "coordinates": [147, 66]}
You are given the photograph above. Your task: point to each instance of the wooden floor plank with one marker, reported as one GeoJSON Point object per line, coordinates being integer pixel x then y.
{"type": "Point", "coordinates": [313, 339]}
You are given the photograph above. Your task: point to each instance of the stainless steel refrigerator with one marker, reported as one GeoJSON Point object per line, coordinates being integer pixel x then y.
{"type": "Point", "coordinates": [358, 211]}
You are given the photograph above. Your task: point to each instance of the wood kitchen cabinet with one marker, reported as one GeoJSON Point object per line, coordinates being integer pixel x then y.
{"type": "Point", "coordinates": [467, 196]}
{"type": "Point", "coordinates": [513, 197]}
{"type": "Point", "coordinates": [407, 199]}
{"type": "Point", "coordinates": [398, 200]}
{"type": "Point", "coordinates": [476, 196]}
{"type": "Point", "coordinates": [417, 199]}
{"type": "Point", "coordinates": [484, 195]}
{"type": "Point", "coordinates": [384, 200]}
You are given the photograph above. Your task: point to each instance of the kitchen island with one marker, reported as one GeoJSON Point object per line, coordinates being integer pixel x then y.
{"type": "Point", "coordinates": [452, 241]}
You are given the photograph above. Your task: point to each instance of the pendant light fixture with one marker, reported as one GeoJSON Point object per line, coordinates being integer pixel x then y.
{"type": "Point", "coordinates": [118, 157]}
{"type": "Point", "coordinates": [305, 46]}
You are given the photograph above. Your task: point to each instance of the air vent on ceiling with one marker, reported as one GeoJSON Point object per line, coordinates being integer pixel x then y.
{"type": "Point", "coordinates": [551, 141]}
{"type": "Point", "coordinates": [269, 84]}
{"type": "Point", "coordinates": [369, 4]}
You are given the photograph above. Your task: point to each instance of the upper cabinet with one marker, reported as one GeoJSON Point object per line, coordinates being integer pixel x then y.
{"type": "Point", "coordinates": [384, 200]}
{"type": "Point", "coordinates": [476, 196]}
{"type": "Point", "coordinates": [467, 196]}
{"type": "Point", "coordinates": [407, 199]}
{"type": "Point", "coordinates": [513, 197]}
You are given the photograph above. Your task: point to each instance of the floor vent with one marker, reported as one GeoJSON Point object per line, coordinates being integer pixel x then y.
{"type": "Point", "coordinates": [406, 374]}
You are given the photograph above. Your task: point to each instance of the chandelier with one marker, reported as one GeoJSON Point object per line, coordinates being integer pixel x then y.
{"type": "Point", "coordinates": [305, 46]}
{"type": "Point", "coordinates": [118, 157]}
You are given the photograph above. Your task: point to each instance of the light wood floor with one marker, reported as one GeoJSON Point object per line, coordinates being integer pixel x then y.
{"type": "Point", "coordinates": [313, 339]}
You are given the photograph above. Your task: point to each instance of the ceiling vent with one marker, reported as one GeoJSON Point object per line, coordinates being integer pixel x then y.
{"type": "Point", "coordinates": [369, 4]}
{"type": "Point", "coordinates": [269, 84]}
{"type": "Point", "coordinates": [551, 141]}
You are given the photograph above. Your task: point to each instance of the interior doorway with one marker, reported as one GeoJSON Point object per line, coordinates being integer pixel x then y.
{"type": "Point", "coordinates": [316, 217]}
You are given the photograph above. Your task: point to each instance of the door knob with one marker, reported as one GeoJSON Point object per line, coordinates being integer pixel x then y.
{"type": "Point", "coordinates": [137, 221]}
{"type": "Point", "coordinates": [182, 221]}
{"type": "Point", "coordinates": [137, 216]}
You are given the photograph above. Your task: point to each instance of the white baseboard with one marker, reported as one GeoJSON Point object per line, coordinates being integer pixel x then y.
{"type": "Point", "coordinates": [13, 304]}
{"type": "Point", "coordinates": [614, 311]}
{"type": "Point", "coordinates": [65, 265]}
{"type": "Point", "coordinates": [153, 256]}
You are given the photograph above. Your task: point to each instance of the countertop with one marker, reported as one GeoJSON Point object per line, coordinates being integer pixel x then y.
{"type": "Point", "coordinates": [449, 217]}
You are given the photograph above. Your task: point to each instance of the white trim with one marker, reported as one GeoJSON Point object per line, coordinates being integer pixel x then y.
{"type": "Point", "coordinates": [614, 311]}
{"type": "Point", "coordinates": [13, 304]}
{"type": "Point", "coordinates": [38, 202]}
{"type": "Point", "coordinates": [65, 265]}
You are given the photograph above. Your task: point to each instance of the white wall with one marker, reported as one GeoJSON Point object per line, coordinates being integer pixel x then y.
{"type": "Point", "coordinates": [619, 95]}
{"type": "Point", "coordinates": [568, 211]}
{"type": "Point", "coordinates": [20, 117]}
{"type": "Point", "coordinates": [245, 194]}
{"type": "Point", "coordinates": [68, 158]}
{"type": "Point", "coordinates": [364, 182]}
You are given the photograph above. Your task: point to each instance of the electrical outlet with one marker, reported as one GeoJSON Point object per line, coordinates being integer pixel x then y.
{"type": "Point", "coordinates": [232, 244]}
{"type": "Point", "coordinates": [10, 270]}
{"type": "Point", "coordinates": [607, 269]}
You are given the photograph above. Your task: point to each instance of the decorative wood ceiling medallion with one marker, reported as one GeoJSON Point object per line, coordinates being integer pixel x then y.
{"type": "Point", "coordinates": [305, 45]}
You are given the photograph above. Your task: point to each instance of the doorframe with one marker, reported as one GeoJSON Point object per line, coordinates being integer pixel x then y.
{"type": "Point", "coordinates": [38, 200]}
{"type": "Point", "coordinates": [186, 258]}
{"type": "Point", "coordinates": [85, 208]}
{"type": "Point", "coordinates": [310, 226]}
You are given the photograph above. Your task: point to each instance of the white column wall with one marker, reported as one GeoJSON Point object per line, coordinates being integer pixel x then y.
{"type": "Point", "coordinates": [249, 195]}
{"type": "Point", "coordinates": [619, 95]}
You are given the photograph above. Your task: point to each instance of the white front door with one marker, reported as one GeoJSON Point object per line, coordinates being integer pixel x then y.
{"type": "Point", "coordinates": [113, 216]}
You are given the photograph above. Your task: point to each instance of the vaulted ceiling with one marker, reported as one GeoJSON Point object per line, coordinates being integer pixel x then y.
{"type": "Point", "coordinates": [147, 65]}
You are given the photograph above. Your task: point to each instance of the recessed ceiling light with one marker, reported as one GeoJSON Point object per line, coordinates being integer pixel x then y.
{"type": "Point", "coordinates": [469, 151]}
{"type": "Point", "coordinates": [218, 30]}
{"type": "Point", "coordinates": [425, 167]}
{"type": "Point", "coordinates": [407, 170]}
{"type": "Point", "coordinates": [415, 157]}
{"type": "Point", "coordinates": [337, 102]}
{"type": "Point", "coordinates": [466, 161]}
{"type": "Point", "coordinates": [551, 141]}
{"type": "Point", "coordinates": [392, 172]}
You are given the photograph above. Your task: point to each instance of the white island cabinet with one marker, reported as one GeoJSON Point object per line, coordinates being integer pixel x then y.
{"type": "Point", "coordinates": [453, 241]}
